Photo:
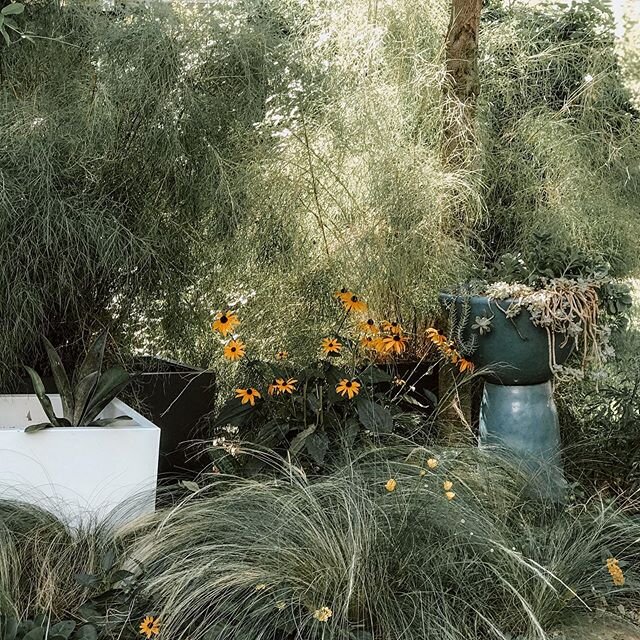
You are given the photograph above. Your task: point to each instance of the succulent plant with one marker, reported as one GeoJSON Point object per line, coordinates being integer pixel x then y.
{"type": "Point", "coordinates": [86, 396]}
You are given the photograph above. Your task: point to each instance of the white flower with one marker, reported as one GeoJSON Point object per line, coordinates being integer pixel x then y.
{"type": "Point", "coordinates": [482, 324]}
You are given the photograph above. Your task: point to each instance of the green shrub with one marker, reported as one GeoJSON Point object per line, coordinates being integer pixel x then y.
{"type": "Point", "coordinates": [380, 550]}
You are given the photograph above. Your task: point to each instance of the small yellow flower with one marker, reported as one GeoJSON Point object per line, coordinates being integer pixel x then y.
{"type": "Point", "coordinates": [323, 614]}
{"type": "Point", "coordinates": [432, 463]}
{"type": "Point", "coordinates": [225, 322]}
{"type": "Point", "coordinates": [261, 587]}
{"type": "Point", "coordinates": [280, 385]}
{"type": "Point", "coordinates": [450, 495]}
{"type": "Point", "coordinates": [348, 388]}
{"type": "Point", "coordinates": [282, 355]}
{"type": "Point", "coordinates": [423, 473]}
{"type": "Point", "coordinates": [234, 350]}
{"type": "Point", "coordinates": [391, 327]}
{"type": "Point", "coordinates": [447, 485]}
{"type": "Point", "coordinates": [465, 365]}
{"type": "Point", "coordinates": [354, 303]}
{"type": "Point", "coordinates": [436, 337]}
{"type": "Point", "coordinates": [150, 626]}
{"type": "Point", "coordinates": [391, 485]}
{"type": "Point", "coordinates": [248, 395]}
{"type": "Point", "coordinates": [379, 345]}
{"type": "Point", "coordinates": [368, 326]}
{"type": "Point", "coordinates": [280, 605]}
{"type": "Point", "coordinates": [343, 294]}
{"type": "Point", "coordinates": [617, 576]}
{"type": "Point", "coordinates": [395, 343]}
{"type": "Point", "coordinates": [331, 346]}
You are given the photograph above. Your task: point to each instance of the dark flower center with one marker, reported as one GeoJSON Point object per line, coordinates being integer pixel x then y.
{"type": "Point", "coordinates": [233, 349]}
{"type": "Point", "coordinates": [370, 322]}
{"type": "Point", "coordinates": [396, 338]}
{"type": "Point", "coordinates": [348, 384]}
{"type": "Point", "coordinates": [224, 319]}
{"type": "Point", "coordinates": [249, 392]}
{"type": "Point", "coordinates": [354, 298]}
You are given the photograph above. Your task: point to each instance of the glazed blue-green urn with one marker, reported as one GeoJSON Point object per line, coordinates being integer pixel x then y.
{"type": "Point", "coordinates": [517, 412]}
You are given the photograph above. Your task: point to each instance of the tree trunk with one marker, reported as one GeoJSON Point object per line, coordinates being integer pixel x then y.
{"type": "Point", "coordinates": [462, 84]}
{"type": "Point", "coordinates": [461, 90]}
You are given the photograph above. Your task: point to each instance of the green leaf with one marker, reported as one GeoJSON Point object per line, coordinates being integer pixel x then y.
{"type": "Point", "coordinates": [374, 375]}
{"type": "Point", "coordinates": [108, 560]}
{"type": "Point", "coordinates": [82, 395]}
{"type": "Point", "coordinates": [374, 416]}
{"type": "Point", "coordinates": [34, 428]}
{"type": "Point", "coordinates": [63, 629]}
{"type": "Point", "coordinates": [38, 388]}
{"type": "Point", "coordinates": [109, 385]}
{"type": "Point", "coordinates": [34, 634]}
{"type": "Point", "coordinates": [61, 379]}
{"type": "Point", "coordinates": [8, 628]}
{"type": "Point", "coordinates": [108, 422]}
{"type": "Point", "coordinates": [87, 579]}
{"type": "Point", "coordinates": [9, 22]}
{"type": "Point", "coordinates": [189, 485]}
{"type": "Point", "coordinates": [86, 632]}
{"type": "Point", "coordinates": [233, 412]}
{"type": "Point", "coordinates": [298, 442]}
{"type": "Point", "coordinates": [317, 446]}
{"type": "Point", "coordinates": [92, 362]}
{"type": "Point", "coordinates": [3, 31]}
{"type": "Point", "coordinates": [13, 9]}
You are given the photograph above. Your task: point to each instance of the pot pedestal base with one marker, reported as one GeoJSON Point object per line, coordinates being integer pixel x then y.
{"type": "Point", "coordinates": [523, 419]}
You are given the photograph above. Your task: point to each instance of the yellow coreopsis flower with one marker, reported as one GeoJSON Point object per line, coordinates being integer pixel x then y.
{"type": "Point", "coordinates": [343, 294]}
{"type": "Point", "coordinates": [225, 322]}
{"type": "Point", "coordinates": [150, 626]}
{"type": "Point", "coordinates": [248, 395]}
{"type": "Point", "coordinates": [447, 485]}
{"type": "Point", "coordinates": [234, 350]}
{"type": "Point", "coordinates": [348, 388]}
{"type": "Point", "coordinates": [282, 355]}
{"type": "Point", "coordinates": [432, 463]}
{"type": "Point", "coordinates": [391, 485]}
{"type": "Point", "coordinates": [450, 495]}
{"type": "Point", "coordinates": [392, 327]}
{"type": "Point", "coordinates": [284, 386]}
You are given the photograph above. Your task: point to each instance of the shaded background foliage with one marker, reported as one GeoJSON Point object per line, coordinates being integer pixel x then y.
{"type": "Point", "coordinates": [161, 162]}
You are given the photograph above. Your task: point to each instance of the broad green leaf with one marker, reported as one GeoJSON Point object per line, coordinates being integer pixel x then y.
{"type": "Point", "coordinates": [35, 634]}
{"type": "Point", "coordinates": [33, 428]}
{"type": "Point", "coordinates": [374, 375]}
{"type": "Point", "coordinates": [233, 412]}
{"type": "Point", "coordinates": [63, 629]}
{"type": "Point", "coordinates": [87, 579]}
{"type": "Point", "coordinates": [109, 385]}
{"type": "Point", "coordinates": [38, 388]}
{"type": "Point", "coordinates": [374, 416]}
{"type": "Point", "coordinates": [92, 362]}
{"type": "Point", "coordinates": [61, 379]}
{"type": "Point", "coordinates": [3, 31]}
{"type": "Point", "coordinates": [317, 446]}
{"type": "Point", "coordinates": [8, 628]}
{"type": "Point", "coordinates": [86, 632]}
{"type": "Point", "coordinates": [108, 559]}
{"type": "Point", "coordinates": [13, 9]}
{"type": "Point", "coordinates": [82, 395]}
{"type": "Point", "coordinates": [108, 422]}
{"type": "Point", "coordinates": [298, 442]}
{"type": "Point", "coordinates": [9, 22]}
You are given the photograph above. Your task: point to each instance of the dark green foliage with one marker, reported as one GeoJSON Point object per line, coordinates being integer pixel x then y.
{"type": "Point", "coordinates": [91, 392]}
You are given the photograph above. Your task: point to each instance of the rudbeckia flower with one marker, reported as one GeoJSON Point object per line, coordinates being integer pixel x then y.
{"type": "Point", "coordinates": [368, 326]}
{"type": "Point", "coordinates": [149, 627]}
{"type": "Point", "coordinates": [436, 337]}
{"type": "Point", "coordinates": [279, 385]}
{"type": "Point", "coordinates": [354, 303]}
{"type": "Point", "coordinates": [368, 342]}
{"type": "Point", "coordinates": [343, 294]}
{"type": "Point", "coordinates": [395, 343]}
{"type": "Point", "coordinates": [248, 395]}
{"type": "Point", "coordinates": [391, 327]}
{"type": "Point", "coordinates": [234, 350]}
{"type": "Point", "coordinates": [331, 346]}
{"type": "Point", "coordinates": [282, 355]}
{"type": "Point", "coordinates": [465, 365]}
{"type": "Point", "coordinates": [225, 322]}
{"type": "Point", "coordinates": [348, 388]}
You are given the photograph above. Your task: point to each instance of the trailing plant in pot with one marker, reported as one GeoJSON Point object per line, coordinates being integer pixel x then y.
{"type": "Point", "coordinates": [85, 397]}
{"type": "Point", "coordinates": [522, 324]}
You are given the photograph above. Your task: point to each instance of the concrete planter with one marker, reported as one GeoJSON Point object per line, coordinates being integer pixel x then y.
{"type": "Point", "coordinates": [82, 474]}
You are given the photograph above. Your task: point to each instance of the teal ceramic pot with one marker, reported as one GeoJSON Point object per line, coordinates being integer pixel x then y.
{"type": "Point", "coordinates": [515, 351]}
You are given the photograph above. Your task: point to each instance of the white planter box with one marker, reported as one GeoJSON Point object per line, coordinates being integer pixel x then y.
{"type": "Point", "coordinates": [82, 474]}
